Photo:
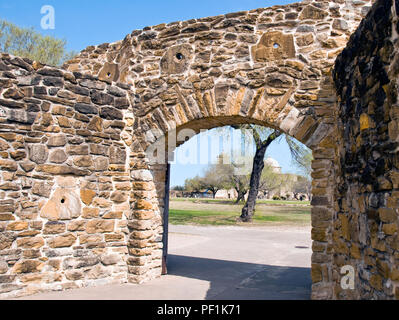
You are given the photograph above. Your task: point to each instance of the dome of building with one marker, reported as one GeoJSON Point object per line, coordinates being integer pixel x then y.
{"type": "Point", "coordinates": [273, 163]}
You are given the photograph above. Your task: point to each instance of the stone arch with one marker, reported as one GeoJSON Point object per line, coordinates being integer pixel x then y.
{"type": "Point", "coordinates": [239, 105]}
{"type": "Point", "coordinates": [270, 66]}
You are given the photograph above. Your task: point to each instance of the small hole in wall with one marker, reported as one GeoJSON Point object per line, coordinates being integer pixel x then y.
{"type": "Point", "coordinates": [179, 56]}
{"type": "Point", "coordinates": [109, 74]}
{"type": "Point", "coordinates": [62, 200]}
{"type": "Point", "coordinates": [276, 45]}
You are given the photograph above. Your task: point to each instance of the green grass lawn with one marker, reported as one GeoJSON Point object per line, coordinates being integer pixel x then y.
{"type": "Point", "coordinates": [271, 202]}
{"type": "Point", "coordinates": [216, 212]}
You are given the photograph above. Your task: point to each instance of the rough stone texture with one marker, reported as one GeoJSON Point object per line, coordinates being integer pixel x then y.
{"type": "Point", "coordinates": [76, 134]}
{"type": "Point", "coordinates": [366, 225]}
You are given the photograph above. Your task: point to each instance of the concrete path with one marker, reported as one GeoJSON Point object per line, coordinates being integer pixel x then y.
{"type": "Point", "coordinates": [223, 263]}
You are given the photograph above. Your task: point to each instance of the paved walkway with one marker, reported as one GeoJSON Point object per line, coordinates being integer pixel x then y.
{"type": "Point", "coordinates": [224, 263]}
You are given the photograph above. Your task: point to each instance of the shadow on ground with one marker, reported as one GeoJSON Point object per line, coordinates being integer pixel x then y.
{"type": "Point", "coordinates": [231, 280]}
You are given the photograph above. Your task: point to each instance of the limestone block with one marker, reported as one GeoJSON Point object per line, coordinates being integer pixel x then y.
{"type": "Point", "coordinates": [63, 205]}
{"type": "Point", "coordinates": [38, 153]}
{"type": "Point", "coordinates": [176, 59]}
{"type": "Point", "coordinates": [274, 45]}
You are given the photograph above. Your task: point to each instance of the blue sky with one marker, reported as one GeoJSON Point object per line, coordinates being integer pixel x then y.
{"type": "Point", "coordinates": [87, 22]}
{"type": "Point", "coordinates": [209, 144]}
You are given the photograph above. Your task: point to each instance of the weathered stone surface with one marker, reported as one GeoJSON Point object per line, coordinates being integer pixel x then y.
{"type": "Point", "coordinates": [176, 59]}
{"type": "Point", "coordinates": [63, 241]}
{"type": "Point", "coordinates": [274, 45]}
{"type": "Point", "coordinates": [313, 13]}
{"type": "Point", "coordinates": [54, 227]}
{"type": "Point", "coordinates": [63, 205]}
{"type": "Point", "coordinates": [99, 226]}
{"type": "Point", "coordinates": [89, 213]}
{"type": "Point", "coordinates": [86, 108]}
{"type": "Point", "coordinates": [3, 266]}
{"type": "Point", "coordinates": [83, 161]}
{"type": "Point", "coordinates": [87, 196]}
{"type": "Point", "coordinates": [58, 156]}
{"type": "Point", "coordinates": [28, 266]}
{"type": "Point", "coordinates": [8, 165]}
{"type": "Point", "coordinates": [18, 226]}
{"type": "Point", "coordinates": [21, 116]}
{"type": "Point", "coordinates": [61, 170]}
{"type": "Point", "coordinates": [6, 240]}
{"type": "Point", "coordinates": [30, 243]}
{"type": "Point", "coordinates": [269, 67]}
{"type": "Point", "coordinates": [57, 141]}
{"type": "Point", "coordinates": [117, 155]}
{"type": "Point", "coordinates": [96, 124]}
{"type": "Point", "coordinates": [119, 196]}
{"type": "Point", "coordinates": [109, 72]}
{"type": "Point", "coordinates": [38, 153]}
{"type": "Point", "coordinates": [110, 113]}
{"type": "Point", "coordinates": [42, 189]}
{"type": "Point", "coordinates": [109, 259]}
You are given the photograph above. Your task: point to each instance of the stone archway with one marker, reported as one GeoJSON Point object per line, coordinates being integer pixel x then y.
{"type": "Point", "coordinates": [148, 211]}
{"type": "Point", "coordinates": [88, 127]}
{"type": "Point", "coordinates": [268, 66]}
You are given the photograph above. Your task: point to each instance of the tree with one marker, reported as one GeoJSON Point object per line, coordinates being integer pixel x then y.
{"type": "Point", "coordinates": [263, 137]}
{"type": "Point", "coordinates": [270, 180]}
{"type": "Point", "coordinates": [302, 185]}
{"type": "Point", "coordinates": [215, 178]}
{"type": "Point", "coordinates": [27, 43]}
{"type": "Point", "coordinates": [304, 162]}
{"type": "Point", "coordinates": [257, 168]}
{"type": "Point", "coordinates": [235, 173]}
{"type": "Point", "coordinates": [178, 188]}
{"type": "Point", "coordinates": [193, 185]}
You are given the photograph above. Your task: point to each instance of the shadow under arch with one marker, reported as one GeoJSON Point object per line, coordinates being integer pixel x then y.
{"type": "Point", "coordinates": [232, 280]}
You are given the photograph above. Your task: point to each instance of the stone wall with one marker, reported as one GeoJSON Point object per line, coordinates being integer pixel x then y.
{"type": "Point", "coordinates": [269, 66]}
{"type": "Point", "coordinates": [64, 182]}
{"type": "Point", "coordinates": [366, 224]}
{"type": "Point", "coordinates": [81, 203]}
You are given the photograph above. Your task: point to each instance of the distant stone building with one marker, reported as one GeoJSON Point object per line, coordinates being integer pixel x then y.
{"type": "Point", "coordinates": [274, 164]}
{"type": "Point", "coordinates": [226, 194]}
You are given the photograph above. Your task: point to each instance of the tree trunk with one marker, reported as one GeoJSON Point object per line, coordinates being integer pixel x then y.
{"type": "Point", "coordinates": [241, 196]}
{"type": "Point", "coordinates": [258, 165]}
{"type": "Point", "coordinates": [214, 193]}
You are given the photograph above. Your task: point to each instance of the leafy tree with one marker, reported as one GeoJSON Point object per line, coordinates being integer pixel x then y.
{"type": "Point", "coordinates": [270, 180]}
{"type": "Point", "coordinates": [304, 162]}
{"type": "Point", "coordinates": [193, 185]}
{"type": "Point", "coordinates": [28, 43]}
{"type": "Point", "coordinates": [263, 137]}
{"type": "Point", "coordinates": [235, 173]}
{"type": "Point", "coordinates": [178, 188]}
{"type": "Point", "coordinates": [302, 185]}
{"type": "Point", "coordinates": [215, 178]}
